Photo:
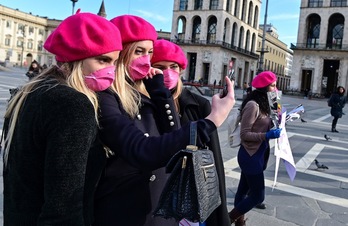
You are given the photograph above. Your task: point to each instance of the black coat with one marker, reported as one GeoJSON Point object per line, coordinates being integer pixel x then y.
{"type": "Point", "coordinates": [192, 108]}
{"type": "Point", "coordinates": [337, 103]}
{"type": "Point", "coordinates": [123, 195]}
{"type": "Point", "coordinates": [54, 160]}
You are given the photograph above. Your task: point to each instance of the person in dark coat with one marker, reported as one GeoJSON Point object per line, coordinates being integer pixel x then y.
{"type": "Point", "coordinates": [337, 102]}
{"type": "Point", "coordinates": [34, 70]}
{"type": "Point", "coordinates": [53, 158]}
{"type": "Point", "coordinates": [140, 128]}
{"type": "Point", "coordinates": [170, 58]}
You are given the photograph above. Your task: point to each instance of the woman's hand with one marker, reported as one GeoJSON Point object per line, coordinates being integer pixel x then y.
{"type": "Point", "coordinates": [153, 71]}
{"type": "Point", "coordinates": [221, 107]}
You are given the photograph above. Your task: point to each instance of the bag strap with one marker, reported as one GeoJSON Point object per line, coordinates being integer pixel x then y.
{"type": "Point", "coordinates": [2, 135]}
{"type": "Point", "coordinates": [193, 133]}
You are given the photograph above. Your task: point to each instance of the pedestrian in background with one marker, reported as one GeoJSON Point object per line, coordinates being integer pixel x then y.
{"type": "Point", "coordinates": [34, 70]}
{"type": "Point", "coordinates": [52, 158]}
{"type": "Point", "coordinates": [170, 58]}
{"type": "Point", "coordinates": [337, 102]}
{"type": "Point", "coordinates": [255, 133]}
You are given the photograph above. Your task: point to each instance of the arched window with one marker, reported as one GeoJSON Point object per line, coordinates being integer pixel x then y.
{"type": "Point", "coordinates": [250, 13]}
{"type": "Point", "coordinates": [211, 34]}
{"type": "Point", "coordinates": [256, 16]}
{"type": "Point", "coordinates": [335, 31]}
{"type": "Point", "coordinates": [313, 31]}
{"type": "Point", "coordinates": [247, 40]}
{"type": "Point", "coordinates": [234, 34]}
{"type": "Point", "coordinates": [241, 37]}
{"type": "Point", "coordinates": [236, 8]}
{"type": "Point", "coordinates": [181, 29]}
{"type": "Point", "coordinates": [244, 6]}
{"type": "Point", "coordinates": [226, 26]}
{"type": "Point", "coordinates": [198, 4]}
{"type": "Point", "coordinates": [196, 29]}
{"type": "Point", "coordinates": [183, 5]}
{"type": "Point", "coordinates": [253, 40]}
{"type": "Point", "coordinates": [214, 4]}
{"type": "Point", "coordinates": [228, 5]}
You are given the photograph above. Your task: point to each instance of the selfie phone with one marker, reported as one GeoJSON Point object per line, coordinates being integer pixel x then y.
{"type": "Point", "coordinates": [231, 77]}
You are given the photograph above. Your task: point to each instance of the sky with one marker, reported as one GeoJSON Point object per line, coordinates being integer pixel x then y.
{"type": "Point", "coordinates": [282, 14]}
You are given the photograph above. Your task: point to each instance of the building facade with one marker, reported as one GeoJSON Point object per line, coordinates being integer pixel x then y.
{"type": "Point", "coordinates": [320, 61]}
{"type": "Point", "coordinates": [22, 36]}
{"type": "Point", "coordinates": [215, 32]}
{"type": "Point", "coordinates": [277, 56]}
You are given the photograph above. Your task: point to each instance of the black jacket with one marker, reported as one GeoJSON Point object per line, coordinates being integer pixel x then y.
{"type": "Point", "coordinates": [192, 108]}
{"type": "Point", "coordinates": [337, 103]}
{"type": "Point", "coordinates": [54, 160]}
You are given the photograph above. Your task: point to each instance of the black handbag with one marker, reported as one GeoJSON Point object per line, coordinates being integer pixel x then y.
{"type": "Point", "coordinates": [192, 189]}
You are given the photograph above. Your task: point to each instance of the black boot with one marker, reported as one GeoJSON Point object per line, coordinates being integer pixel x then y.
{"type": "Point", "coordinates": [234, 215]}
{"type": "Point", "coordinates": [334, 130]}
{"type": "Point", "coordinates": [240, 221]}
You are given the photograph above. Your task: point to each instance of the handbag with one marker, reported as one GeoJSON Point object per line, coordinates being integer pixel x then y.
{"type": "Point", "coordinates": [192, 189]}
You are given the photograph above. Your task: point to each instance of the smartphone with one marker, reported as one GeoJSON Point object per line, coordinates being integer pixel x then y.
{"type": "Point", "coordinates": [232, 78]}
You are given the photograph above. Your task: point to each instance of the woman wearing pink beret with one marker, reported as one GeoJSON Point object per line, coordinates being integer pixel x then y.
{"type": "Point", "coordinates": [140, 127]}
{"type": "Point", "coordinates": [255, 133]}
{"type": "Point", "coordinates": [170, 58]}
{"type": "Point", "coordinates": [52, 157]}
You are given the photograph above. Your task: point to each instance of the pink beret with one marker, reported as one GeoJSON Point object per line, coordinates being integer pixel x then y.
{"type": "Point", "coordinates": [134, 28]}
{"type": "Point", "coordinates": [164, 50]}
{"type": "Point", "coordinates": [81, 36]}
{"type": "Point", "coordinates": [264, 79]}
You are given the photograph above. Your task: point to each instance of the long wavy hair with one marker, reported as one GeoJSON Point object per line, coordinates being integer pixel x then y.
{"type": "Point", "coordinates": [126, 88]}
{"type": "Point", "coordinates": [176, 92]}
{"type": "Point", "coordinates": [261, 98]}
{"type": "Point", "coordinates": [69, 74]}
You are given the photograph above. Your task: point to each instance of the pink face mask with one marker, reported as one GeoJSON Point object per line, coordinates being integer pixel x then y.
{"type": "Point", "coordinates": [171, 78]}
{"type": "Point", "coordinates": [101, 79]}
{"type": "Point", "coordinates": [140, 67]}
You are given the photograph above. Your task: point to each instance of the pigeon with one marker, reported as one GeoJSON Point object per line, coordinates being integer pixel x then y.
{"type": "Point", "coordinates": [327, 137]}
{"type": "Point", "coordinates": [302, 120]}
{"type": "Point", "coordinates": [319, 165]}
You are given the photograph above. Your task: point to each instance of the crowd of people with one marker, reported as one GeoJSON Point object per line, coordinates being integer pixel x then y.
{"type": "Point", "coordinates": [87, 139]}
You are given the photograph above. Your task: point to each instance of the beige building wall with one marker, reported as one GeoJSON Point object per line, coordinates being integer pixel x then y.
{"type": "Point", "coordinates": [321, 65]}
{"type": "Point", "coordinates": [22, 36]}
{"type": "Point", "coordinates": [277, 56]}
{"type": "Point", "coordinates": [235, 38]}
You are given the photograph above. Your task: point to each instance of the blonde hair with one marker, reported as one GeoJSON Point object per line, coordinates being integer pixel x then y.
{"type": "Point", "coordinates": [128, 90]}
{"type": "Point", "coordinates": [69, 74]}
{"type": "Point", "coordinates": [176, 94]}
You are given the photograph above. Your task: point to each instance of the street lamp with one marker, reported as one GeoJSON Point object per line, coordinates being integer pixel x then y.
{"type": "Point", "coordinates": [23, 33]}
{"type": "Point", "coordinates": [73, 5]}
{"type": "Point", "coordinates": [263, 51]}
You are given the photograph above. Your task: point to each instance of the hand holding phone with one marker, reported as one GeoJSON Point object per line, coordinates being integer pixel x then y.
{"type": "Point", "coordinates": [232, 78]}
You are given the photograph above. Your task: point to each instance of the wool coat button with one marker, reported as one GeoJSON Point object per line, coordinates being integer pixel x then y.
{"type": "Point", "coordinates": [166, 106]}
{"type": "Point", "coordinates": [153, 178]}
{"type": "Point", "coordinates": [169, 112]}
{"type": "Point", "coordinates": [139, 117]}
{"type": "Point", "coordinates": [171, 123]}
{"type": "Point", "coordinates": [146, 135]}
{"type": "Point", "coordinates": [170, 117]}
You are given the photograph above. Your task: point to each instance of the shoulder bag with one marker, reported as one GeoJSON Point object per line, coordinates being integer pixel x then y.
{"type": "Point", "coordinates": [192, 189]}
